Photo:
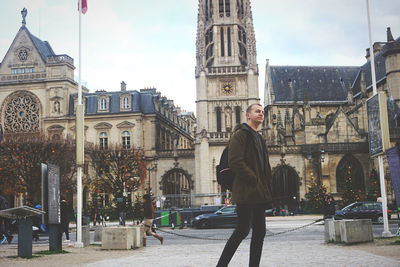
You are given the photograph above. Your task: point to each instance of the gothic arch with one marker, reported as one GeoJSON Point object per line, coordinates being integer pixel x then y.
{"type": "Point", "coordinates": [176, 185]}
{"type": "Point", "coordinates": [21, 112]}
{"type": "Point", "coordinates": [285, 184]}
{"type": "Point", "coordinates": [349, 166]}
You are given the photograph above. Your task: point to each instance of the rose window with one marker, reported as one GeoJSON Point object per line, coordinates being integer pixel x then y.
{"type": "Point", "coordinates": [21, 114]}
{"type": "Point", "coordinates": [23, 55]}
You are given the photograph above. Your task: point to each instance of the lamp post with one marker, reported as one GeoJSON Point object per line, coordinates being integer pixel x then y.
{"type": "Point", "coordinates": [151, 168]}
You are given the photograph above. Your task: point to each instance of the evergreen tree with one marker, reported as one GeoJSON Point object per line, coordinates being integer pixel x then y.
{"type": "Point", "coordinates": [374, 189]}
{"type": "Point", "coordinates": [350, 193]}
{"type": "Point", "coordinates": [315, 196]}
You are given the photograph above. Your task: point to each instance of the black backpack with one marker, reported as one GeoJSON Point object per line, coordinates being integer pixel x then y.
{"type": "Point", "coordinates": [225, 175]}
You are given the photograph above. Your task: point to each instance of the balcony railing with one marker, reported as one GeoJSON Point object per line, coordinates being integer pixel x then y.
{"type": "Point", "coordinates": [183, 153]}
{"type": "Point", "coordinates": [219, 136]}
{"type": "Point", "coordinates": [227, 70]}
{"type": "Point", "coordinates": [57, 59]}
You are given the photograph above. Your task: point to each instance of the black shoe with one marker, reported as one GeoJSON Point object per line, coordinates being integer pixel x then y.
{"type": "Point", "coordinates": [9, 239]}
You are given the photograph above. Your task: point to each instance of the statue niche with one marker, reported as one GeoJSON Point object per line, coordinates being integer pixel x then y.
{"type": "Point", "coordinates": [228, 119]}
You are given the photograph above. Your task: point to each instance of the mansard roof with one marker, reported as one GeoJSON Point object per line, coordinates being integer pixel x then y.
{"type": "Point", "coordinates": [141, 102]}
{"type": "Point", "coordinates": [318, 83]}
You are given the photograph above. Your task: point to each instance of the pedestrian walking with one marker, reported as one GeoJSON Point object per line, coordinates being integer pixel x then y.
{"type": "Point", "coordinates": [66, 213]}
{"type": "Point", "coordinates": [4, 222]}
{"type": "Point", "coordinates": [148, 213]}
{"type": "Point", "coordinates": [251, 190]}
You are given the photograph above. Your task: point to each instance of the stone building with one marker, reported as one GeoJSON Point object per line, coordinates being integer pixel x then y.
{"type": "Point", "coordinates": [38, 93]}
{"type": "Point", "coordinates": [316, 121]}
{"type": "Point", "coordinates": [226, 83]}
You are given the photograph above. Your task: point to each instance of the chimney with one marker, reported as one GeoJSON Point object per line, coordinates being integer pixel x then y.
{"type": "Point", "coordinates": [123, 86]}
{"type": "Point", "coordinates": [389, 35]}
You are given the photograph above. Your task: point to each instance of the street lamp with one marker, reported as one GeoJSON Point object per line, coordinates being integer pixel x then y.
{"type": "Point", "coordinates": [152, 168]}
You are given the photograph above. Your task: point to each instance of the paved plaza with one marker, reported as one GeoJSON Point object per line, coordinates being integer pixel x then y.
{"type": "Point", "coordinates": [304, 247]}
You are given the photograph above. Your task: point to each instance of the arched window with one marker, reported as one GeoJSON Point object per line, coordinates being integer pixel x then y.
{"type": "Point", "coordinates": [229, 42]}
{"type": "Point", "coordinates": [222, 43]}
{"type": "Point", "coordinates": [103, 104]}
{"type": "Point", "coordinates": [227, 8]}
{"type": "Point", "coordinates": [103, 140]}
{"type": "Point", "coordinates": [221, 8]}
{"type": "Point", "coordinates": [218, 119]}
{"type": "Point", "coordinates": [126, 139]}
{"type": "Point", "coordinates": [237, 113]}
{"type": "Point", "coordinates": [176, 186]}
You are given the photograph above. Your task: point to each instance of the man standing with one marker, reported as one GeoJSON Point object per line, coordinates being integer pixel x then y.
{"type": "Point", "coordinates": [251, 190]}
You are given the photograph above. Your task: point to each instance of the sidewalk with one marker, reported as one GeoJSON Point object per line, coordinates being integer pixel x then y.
{"type": "Point", "coordinates": [206, 253]}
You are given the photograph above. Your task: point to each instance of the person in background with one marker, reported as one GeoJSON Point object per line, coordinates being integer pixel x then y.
{"type": "Point", "coordinates": [66, 213]}
{"type": "Point", "coordinates": [3, 222]}
{"type": "Point", "coordinates": [37, 223]}
{"type": "Point", "coordinates": [148, 213]}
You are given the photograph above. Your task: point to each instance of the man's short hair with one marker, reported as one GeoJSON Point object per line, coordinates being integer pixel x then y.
{"type": "Point", "coordinates": [251, 106]}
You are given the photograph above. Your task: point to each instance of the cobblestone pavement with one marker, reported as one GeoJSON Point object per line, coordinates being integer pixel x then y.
{"type": "Point", "coordinates": [304, 247]}
{"type": "Point", "coordinates": [299, 253]}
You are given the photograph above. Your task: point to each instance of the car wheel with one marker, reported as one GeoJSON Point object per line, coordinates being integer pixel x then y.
{"type": "Point", "coordinates": [204, 224]}
{"type": "Point", "coordinates": [379, 219]}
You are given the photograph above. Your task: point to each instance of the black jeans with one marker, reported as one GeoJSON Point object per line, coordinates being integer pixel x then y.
{"type": "Point", "coordinates": [249, 215]}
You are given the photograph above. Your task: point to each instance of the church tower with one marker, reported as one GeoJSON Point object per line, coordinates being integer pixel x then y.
{"type": "Point", "coordinates": [226, 83]}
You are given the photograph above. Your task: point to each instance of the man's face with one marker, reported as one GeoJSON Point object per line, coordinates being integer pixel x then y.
{"type": "Point", "coordinates": [256, 115]}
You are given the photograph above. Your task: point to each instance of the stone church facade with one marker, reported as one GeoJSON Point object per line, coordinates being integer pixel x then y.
{"type": "Point", "coordinates": [316, 121]}
{"type": "Point", "coordinates": [38, 93]}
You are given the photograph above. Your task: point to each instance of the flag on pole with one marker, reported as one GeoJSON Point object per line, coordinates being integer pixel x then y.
{"type": "Point", "coordinates": [84, 6]}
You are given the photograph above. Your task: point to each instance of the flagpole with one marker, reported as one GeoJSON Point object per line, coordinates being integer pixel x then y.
{"type": "Point", "coordinates": [386, 232]}
{"type": "Point", "coordinates": [79, 139]}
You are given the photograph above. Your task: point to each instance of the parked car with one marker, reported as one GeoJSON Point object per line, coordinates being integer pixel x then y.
{"type": "Point", "coordinates": [362, 210]}
{"type": "Point", "coordinates": [224, 217]}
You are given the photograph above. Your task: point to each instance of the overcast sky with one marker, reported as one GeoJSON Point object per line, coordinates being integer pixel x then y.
{"type": "Point", "coordinates": [152, 43]}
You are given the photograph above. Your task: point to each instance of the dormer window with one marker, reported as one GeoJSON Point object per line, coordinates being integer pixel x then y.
{"type": "Point", "coordinates": [125, 102]}
{"type": "Point", "coordinates": [103, 103]}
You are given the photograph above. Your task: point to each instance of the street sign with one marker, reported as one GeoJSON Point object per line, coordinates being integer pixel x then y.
{"type": "Point", "coordinates": [53, 178]}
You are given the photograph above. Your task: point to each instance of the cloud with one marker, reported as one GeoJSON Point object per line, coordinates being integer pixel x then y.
{"type": "Point", "coordinates": [152, 43]}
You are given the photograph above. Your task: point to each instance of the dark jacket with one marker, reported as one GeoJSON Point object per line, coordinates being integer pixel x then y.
{"type": "Point", "coordinates": [251, 185]}
{"type": "Point", "coordinates": [148, 210]}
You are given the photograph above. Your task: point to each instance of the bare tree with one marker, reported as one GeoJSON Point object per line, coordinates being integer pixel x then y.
{"type": "Point", "coordinates": [20, 159]}
{"type": "Point", "coordinates": [118, 170]}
